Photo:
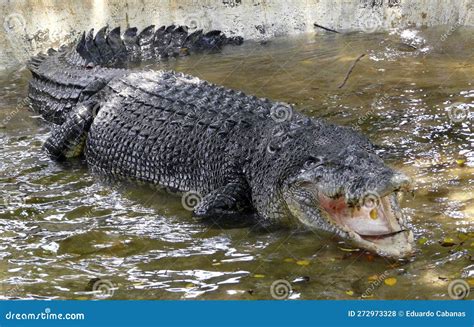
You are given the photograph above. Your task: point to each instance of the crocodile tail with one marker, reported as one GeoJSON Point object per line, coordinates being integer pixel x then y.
{"type": "Point", "coordinates": [61, 79]}
{"type": "Point", "coordinates": [113, 49]}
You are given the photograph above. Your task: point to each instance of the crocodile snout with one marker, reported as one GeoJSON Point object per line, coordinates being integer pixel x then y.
{"type": "Point", "coordinates": [401, 182]}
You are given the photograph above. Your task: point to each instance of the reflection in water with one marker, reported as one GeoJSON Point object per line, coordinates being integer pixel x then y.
{"type": "Point", "coordinates": [60, 228]}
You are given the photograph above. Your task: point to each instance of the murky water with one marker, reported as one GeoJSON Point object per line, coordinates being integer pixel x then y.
{"type": "Point", "coordinates": [61, 229]}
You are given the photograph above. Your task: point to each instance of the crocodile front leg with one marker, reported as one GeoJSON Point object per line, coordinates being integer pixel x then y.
{"type": "Point", "coordinates": [67, 140]}
{"type": "Point", "coordinates": [228, 200]}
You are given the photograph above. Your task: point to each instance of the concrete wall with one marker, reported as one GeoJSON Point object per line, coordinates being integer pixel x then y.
{"type": "Point", "coordinates": [30, 26]}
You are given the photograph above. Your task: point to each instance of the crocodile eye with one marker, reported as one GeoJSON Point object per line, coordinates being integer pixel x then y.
{"type": "Point", "coordinates": [313, 161]}
{"type": "Point", "coordinates": [271, 148]}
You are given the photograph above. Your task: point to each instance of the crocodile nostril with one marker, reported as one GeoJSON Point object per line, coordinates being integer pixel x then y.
{"type": "Point", "coordinates": [401, 181]}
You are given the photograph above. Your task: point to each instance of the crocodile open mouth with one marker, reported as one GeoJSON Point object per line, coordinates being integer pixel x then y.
{"type": "Point", "coordinates": [375, 225]}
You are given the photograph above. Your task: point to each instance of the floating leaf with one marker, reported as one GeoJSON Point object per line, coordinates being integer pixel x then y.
{"type": "Point", "coordinates": [370, 257]}
{"type": "Point", "coordinates": [448, 241]}
{"type": "Point", "coordinates": [390, 281]}
{"type": "Point", "coordinates": [289, 260]}
{"type": "Point", "coordinates": [259, 275]}
{"type": "Point", "coordinates": [373, 278]}
{"type": "Point", "coordinates": [460, 162]}
{"type": "Point", "coordinates": [470, 281]}
{"type": "Point", "coordinates": [189, 285]}
{"type": "Point", "coordinates": [422, 241]}
{"type": "Point", "coordinates": [302, 262]}
{"type": "Point", "coordinates": [350, 293]}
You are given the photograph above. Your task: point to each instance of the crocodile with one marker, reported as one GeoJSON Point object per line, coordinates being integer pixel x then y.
{"type": "Point", "coordinates": [239, 154]}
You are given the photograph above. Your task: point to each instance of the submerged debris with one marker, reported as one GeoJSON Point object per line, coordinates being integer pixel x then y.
{"type": "Point", "coordinates": [350, 71]}
{"type": "Point", "coordinates": [325, 28]}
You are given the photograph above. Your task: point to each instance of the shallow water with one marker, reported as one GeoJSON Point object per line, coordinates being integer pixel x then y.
{"type": "Point", "coordinates": [61, 229]}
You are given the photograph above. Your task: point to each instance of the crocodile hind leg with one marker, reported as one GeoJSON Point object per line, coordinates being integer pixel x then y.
{"type": "Point", "coordinates": [229, 200]}
{"type": "Point", "coordinates": [67, 140]}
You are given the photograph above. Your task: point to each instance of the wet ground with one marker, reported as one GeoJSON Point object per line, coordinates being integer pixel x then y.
{"type": "Point", "coordinates": [64, 233]}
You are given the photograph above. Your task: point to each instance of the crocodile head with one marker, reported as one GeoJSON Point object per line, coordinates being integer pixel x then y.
{"type": "Point", "coordinates": [340, 185]}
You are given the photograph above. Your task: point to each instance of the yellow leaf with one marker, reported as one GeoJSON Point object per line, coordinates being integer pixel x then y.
{"type": "Point", "coordinates": [460, 162]}
{"type": "Point", "coordinates": [390, 281]}
{"type": "Point", "coordinates": [448, 241]}
{"type": "Point", "coordinates": [302, 262]}
{"type": "Point", "coordinates": [422, 240]}
{"type": "Point", "coordinates": [289, 260]}
{"type": "Point", "coordinates": [373, 278]}
{"type": "Point", "coordinates": [470, 281]}
{"type": "Point", "coordinates": [189, 285]}
{"type": "Point", "coordinates": [350, 293]}
{"type": "Point", "coordinates": [259, 276]}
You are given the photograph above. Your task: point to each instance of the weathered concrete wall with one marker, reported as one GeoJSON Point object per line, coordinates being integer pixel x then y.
{"type": "Point", "coordinates": [30, 26]}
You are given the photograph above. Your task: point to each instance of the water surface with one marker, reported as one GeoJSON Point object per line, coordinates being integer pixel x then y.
{"type": "Point", "coordinates": [61, 229]}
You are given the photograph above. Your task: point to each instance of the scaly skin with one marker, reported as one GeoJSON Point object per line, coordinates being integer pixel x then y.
{"type": "Point", "coordinates": [238, 152]}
